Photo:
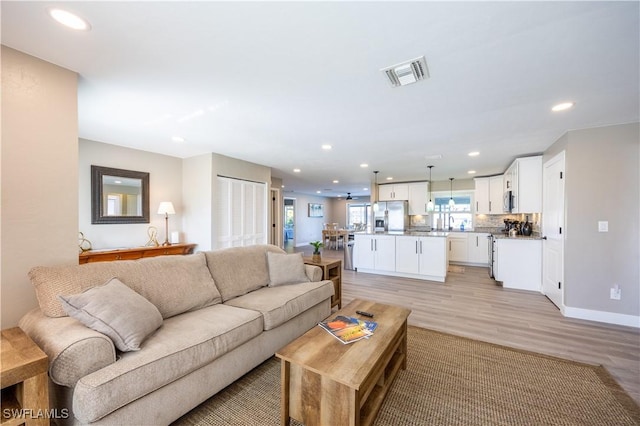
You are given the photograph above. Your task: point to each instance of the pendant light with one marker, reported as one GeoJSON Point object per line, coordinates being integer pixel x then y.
{"type": "Point", "coordinates": [451, 202]}
{"type": "Point", "coordinates": [430, 204]}
{"type": "Point", "coordinates": [375, 205]}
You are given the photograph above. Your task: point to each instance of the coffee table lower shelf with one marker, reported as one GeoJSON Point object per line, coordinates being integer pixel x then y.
{"type": "Point", "coordinates": [343, 384]}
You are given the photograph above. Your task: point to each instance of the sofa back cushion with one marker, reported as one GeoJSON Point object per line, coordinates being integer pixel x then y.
{"type": "Point", "coordinates": [174, 284]}
{"type": "Point", "coordinates": [239, 270]}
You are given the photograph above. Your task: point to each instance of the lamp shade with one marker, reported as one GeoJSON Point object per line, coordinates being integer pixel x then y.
{"type": "Point", "coordinates": [166, 207]}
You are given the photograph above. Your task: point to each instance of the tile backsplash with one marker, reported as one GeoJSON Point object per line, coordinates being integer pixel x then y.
{"type": "Point", "coordinates": [497, 220]}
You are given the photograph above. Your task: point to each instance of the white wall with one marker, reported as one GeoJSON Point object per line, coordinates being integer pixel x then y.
{"type": "Point", "coordinates": [165, 184]}
{"type": "Point", "coordinates": [199, 195]}
{"type": "Point", "coordinates": [39, 179]}
{"type": "Point", "coordinates": [197, 182]}
{"type": "Point", "coordinates": [602, 183]}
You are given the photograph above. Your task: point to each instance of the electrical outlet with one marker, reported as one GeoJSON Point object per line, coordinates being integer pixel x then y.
{"type": "Point", "coordinates": [615, 292]}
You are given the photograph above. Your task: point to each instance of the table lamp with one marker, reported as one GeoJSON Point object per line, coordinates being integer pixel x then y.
{"type": "Point", "coordinates": [166, 208]}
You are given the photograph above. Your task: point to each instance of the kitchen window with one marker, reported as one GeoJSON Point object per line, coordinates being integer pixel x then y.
{"type": "Point", "coordinates": [459, 217]}
{"type": "Point", "coordinates": [357, 215]}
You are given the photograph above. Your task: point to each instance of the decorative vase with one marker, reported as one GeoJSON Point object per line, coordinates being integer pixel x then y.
{"type": "Point", "coordinates": [316, 257]}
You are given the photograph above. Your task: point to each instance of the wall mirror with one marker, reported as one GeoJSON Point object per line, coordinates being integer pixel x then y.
{"type": "Point", "coordinates": [119, 196]}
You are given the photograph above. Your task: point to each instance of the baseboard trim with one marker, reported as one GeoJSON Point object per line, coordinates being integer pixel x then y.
{"type": "Point", "coordinates": [602, 316]}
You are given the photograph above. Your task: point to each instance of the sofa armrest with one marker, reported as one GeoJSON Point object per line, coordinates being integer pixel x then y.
{"type": "Point", "coordinates": [313, 272]}
{"type": "Point", "coordinates": [73, 349]}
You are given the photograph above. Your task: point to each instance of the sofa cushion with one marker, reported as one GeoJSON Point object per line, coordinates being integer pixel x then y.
{"type": "Point", "coordinates": [279, 304]}
{"type": "Point", "coordinates": [286, 269]}
{"type": "Point", "coordinates": [115, 310]}
{"type": "Point", "coordinates": [174, 284]}
{"type": "Point", "coordinates": [239, 270]}
{"type": "Point", "coordinates": [183, 344]}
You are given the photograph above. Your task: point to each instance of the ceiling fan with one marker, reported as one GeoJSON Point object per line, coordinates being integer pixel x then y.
{"type": "Point", "coordinates": [349, 197]}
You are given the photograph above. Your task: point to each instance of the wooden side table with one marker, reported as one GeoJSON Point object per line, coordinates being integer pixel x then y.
{"type": "Point", "coordinates": [331, 270]}
{"type": "Point", "coordinates": [23, 376]}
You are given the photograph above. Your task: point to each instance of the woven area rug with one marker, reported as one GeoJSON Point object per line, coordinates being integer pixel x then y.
{"type": "Point", "coordinates": [452, 381]}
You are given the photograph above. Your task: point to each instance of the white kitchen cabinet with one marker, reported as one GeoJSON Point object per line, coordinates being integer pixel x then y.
{"type": "Point", "coordinates": [418, 198]}
{"type": "Point", "coordinates": [433, 258]}
{"type": "Point", "coordinates": [525, 182]}
{"type": "Point", "coordinates": [458, 247]}
{"type": "Point", "coordinates": [375, 252]}
{"type": "Point", "coordinates": [488, 194]}
{"type": "Point", "coordinates": [478, 248]}
{"type": "Point", "coordinates": [519, 263]}
{"type": "Point", "coordinates": [425, 256]}
{"type": "Point", "coordinates": [395, 192]}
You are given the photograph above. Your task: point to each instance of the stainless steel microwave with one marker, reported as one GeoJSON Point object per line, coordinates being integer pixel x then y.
{"type": "Point", "coordinates": [508, 202]}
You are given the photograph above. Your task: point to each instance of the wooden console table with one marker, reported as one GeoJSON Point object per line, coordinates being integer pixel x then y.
{"type": "Point", "coordinates": [25, 387]}
{"type": "Point", "coordinates": [134, 253]}
{"type": "Point", "coordinates": [331, 270]}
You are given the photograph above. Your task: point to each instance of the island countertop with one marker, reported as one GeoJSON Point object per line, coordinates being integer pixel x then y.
{"type": "Point", "coordinates": [407, 233]}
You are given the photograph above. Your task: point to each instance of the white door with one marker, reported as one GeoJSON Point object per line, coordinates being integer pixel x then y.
{"type": "Point", "coordinates": [553, 230]}
{"type": "Point", "coordinates": [242, 213]}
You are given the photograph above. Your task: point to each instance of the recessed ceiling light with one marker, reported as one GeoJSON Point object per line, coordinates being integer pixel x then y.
{"type": "Point", "coordinates": [563, 106]}
{"type": "Point", "coordinates": [318, 192]}
{"type": "Point", "coordinates": [117, 181]}
{"type": "Point", "coordinates": [365, 189]}
{"type": "Point", "coordinates": [281, 186]}
{"type": "Point", "coordinates": [390, 178]}
{"type": "Point", "coordinates": [296, 170]}
{"type": "Point", "coordinates": [363, 165]}
{"type": "Point", "coordinates": [472, 172]}
{"type": "Point", "coordinates": [473, 154]}
{"type": "Point", "coordinates": [326, 147]}
{"type": "Point", "coordinates": [69, 20]}
{"type": "Point", "coordinates": [336, 181]}
{"type": "Point", "coordinates": [177, 139]}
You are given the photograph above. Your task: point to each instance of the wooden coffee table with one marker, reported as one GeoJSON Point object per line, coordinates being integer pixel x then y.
{"type": "Point", "coordinates": [325, 382]}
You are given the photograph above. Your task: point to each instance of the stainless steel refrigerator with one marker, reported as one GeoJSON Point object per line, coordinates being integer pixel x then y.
{"type": "Point", "coordinates": [394, 215]}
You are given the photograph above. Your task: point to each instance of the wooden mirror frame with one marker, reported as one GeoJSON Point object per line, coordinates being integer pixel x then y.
{"type": "Point", "coordinates": [97, 196]}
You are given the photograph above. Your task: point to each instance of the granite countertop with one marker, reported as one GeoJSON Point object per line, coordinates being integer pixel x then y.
{"type": "Point", "coordinates": [408, 233]}
{"type": "Point", "coordinates": [534, 236]}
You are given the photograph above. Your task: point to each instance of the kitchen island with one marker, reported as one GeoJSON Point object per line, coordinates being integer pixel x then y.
{"type": "Point", "coordinates": [420, 255]}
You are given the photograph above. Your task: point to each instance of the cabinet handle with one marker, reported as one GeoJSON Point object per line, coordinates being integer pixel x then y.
{"type": "Point", "coordinates": [489, 205]}
{"type": "Point", "coordinates": [372, 244]}
{"type": "Point", "coordinates": [416, 247]}
{"type": "Point", "coordinates": [477, 207]}
{"type": "Point", "coordinates": [476, 241]}
{"type": "Point", "coordinates": [420, 247]}
{"type": "Point", "coordinates": [375, 243]}
{"type": "Point", "coordinates": [449, 245]}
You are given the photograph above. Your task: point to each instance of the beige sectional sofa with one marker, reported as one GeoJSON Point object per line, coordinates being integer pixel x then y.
{"type": "Point", "coordinates": [220, 314]}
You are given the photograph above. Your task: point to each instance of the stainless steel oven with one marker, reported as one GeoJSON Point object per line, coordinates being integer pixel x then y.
{"type": "Point", "coordinates": [492, 255]}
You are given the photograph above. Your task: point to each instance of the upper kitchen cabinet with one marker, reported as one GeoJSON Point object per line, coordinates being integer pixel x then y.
{"type": "Point", "coordinates": [418, 198]}
{"type": "Point", "coordinates": [489, 192]}
{"type": "Point", "coordinates": [524, 179]}
{"type": "Point", "coordinates": [395, 192]}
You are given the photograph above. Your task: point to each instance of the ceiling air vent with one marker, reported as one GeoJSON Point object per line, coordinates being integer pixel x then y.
{"type": "Point", "coordinates": [407, 72]}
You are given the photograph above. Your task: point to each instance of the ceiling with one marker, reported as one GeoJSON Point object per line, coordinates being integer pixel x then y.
{"type": "Point", "coordinates": [271, 82]}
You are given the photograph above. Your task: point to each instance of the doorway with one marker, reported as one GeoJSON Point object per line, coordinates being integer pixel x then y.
{"type": "Point", "coordinates": [553, 230]}
{"type": "Point", "coordinates": [275, 235]}
{"type": "Point", "coordinates": [289, 220]}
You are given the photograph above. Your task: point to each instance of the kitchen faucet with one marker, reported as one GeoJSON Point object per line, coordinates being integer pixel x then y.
{"type": "Point", "coordinates": [451, 219]}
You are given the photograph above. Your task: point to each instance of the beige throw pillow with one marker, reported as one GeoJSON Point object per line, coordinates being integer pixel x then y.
{"type": "Point", "coordinates": [115, 310]}
{"type": "Point", "coordinates": [286, 269]}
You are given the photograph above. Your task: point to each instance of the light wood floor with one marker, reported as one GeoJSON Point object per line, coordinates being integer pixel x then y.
{"type": "Point", "coordinates": [470, 304]}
